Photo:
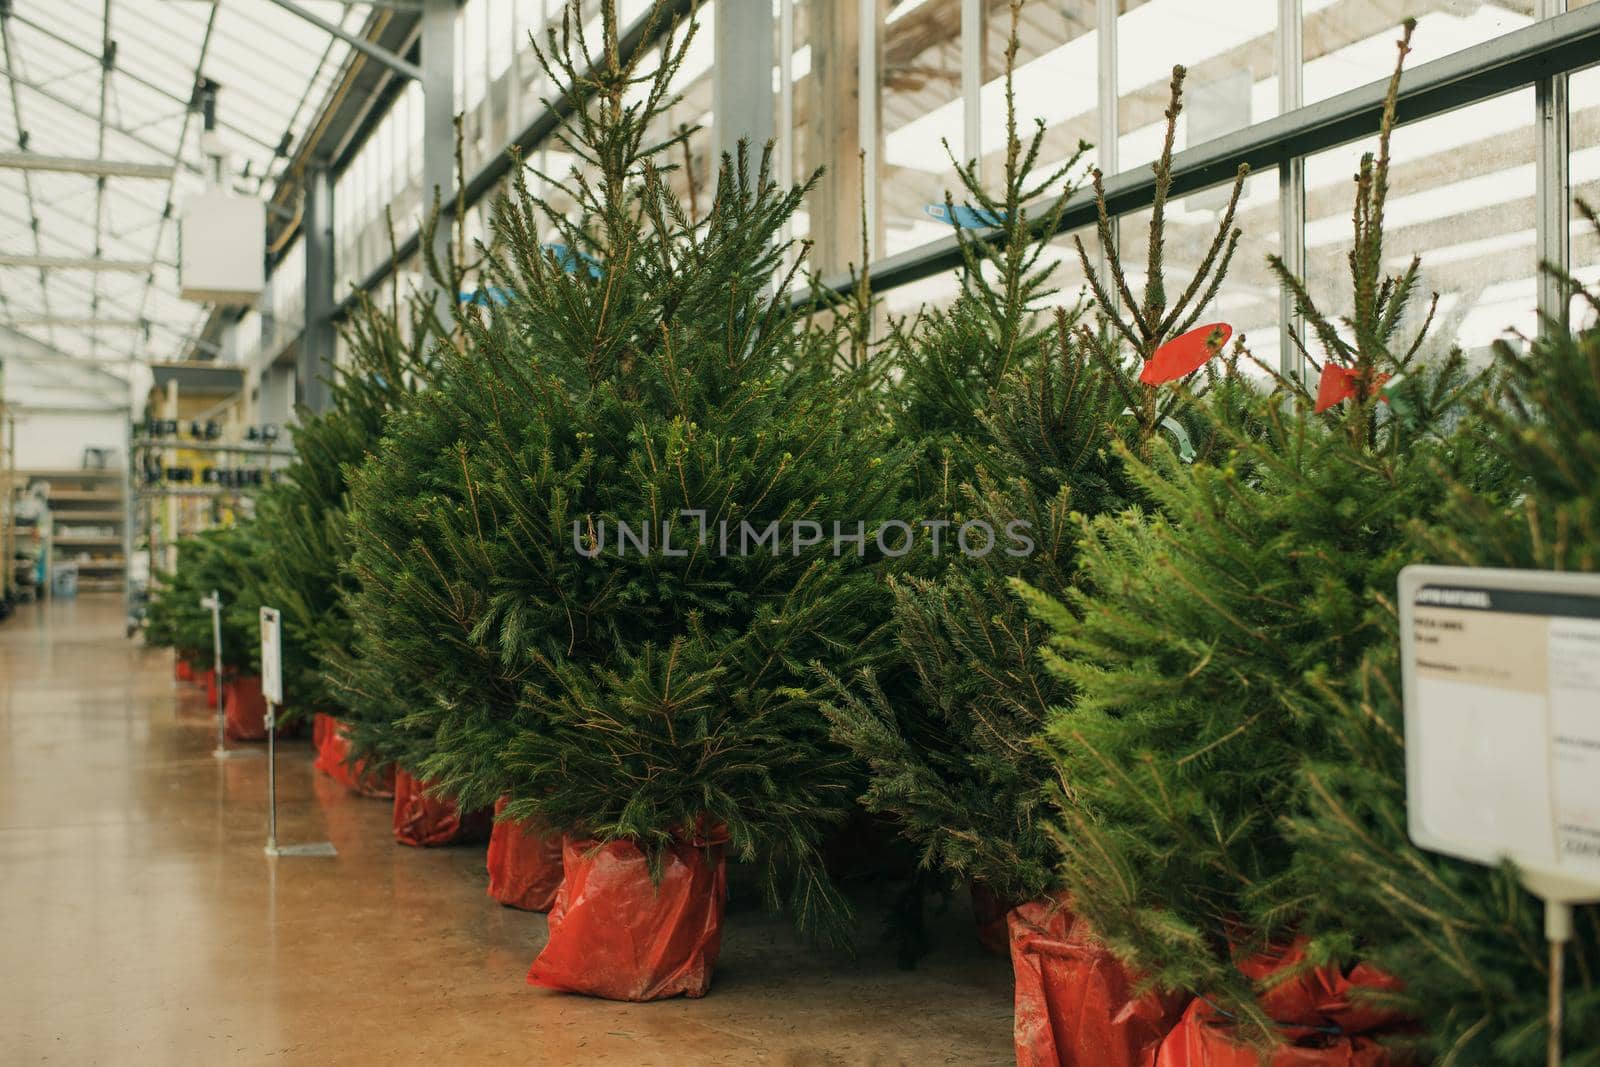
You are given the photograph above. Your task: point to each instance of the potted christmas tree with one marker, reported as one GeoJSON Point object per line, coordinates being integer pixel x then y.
{"type": "Point", "coordinates": [697, 511]}
{"type": "Point", "coordinates": [226, 560]}
{"type": "Point", "coordinates": [303, 520]}
{"type": "Point", "coordinates": [1196, 648]}
{"type": "Point", "coordinates": [412, 606]}
{"type": "Point", "coordinates": [1467, 941]}
{"type": "Point", "coordinates": [422, 689]}
{"type": "Point", "coordinates": [415, 664]}
{"type": "Point", "coordinates": [952, 367]}
{"type": "Point", "coordinates": [597, 563]}
{"type": "Point", "coordinates": [956, 755]}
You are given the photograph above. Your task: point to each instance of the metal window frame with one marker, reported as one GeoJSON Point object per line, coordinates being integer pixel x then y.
{"type": "Point", "coordinates": [869, 94]}
{"type": "Point", "coordinates": [398, 64]}
{"type": "Point", "coordinates": [1547, 49]}
{"type": "Point", "coordinates": [1291, 188]}
{"type": "Point", "coordinates": [785, 117]}
{"type": "Point", "coordinates": [484, 180]}
{"type": "Point", "coordinates": [1108, 151]}
{"type": "Point", "coordinates": [1553, 211]}
{"type": "Point", "coordinates": [1539, 55]}
{"type": "Point", "coordinates": [974, 47]}
{"type": "Point", "coordinates": [96, 167]}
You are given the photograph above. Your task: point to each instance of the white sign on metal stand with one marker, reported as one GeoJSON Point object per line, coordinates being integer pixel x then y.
{"type": "Point", "coordinates": [213, 603]}
{"type": "Point", "coordinates": [272, 691]}
{"type": "Point", "coordinates": [271, 657]}
{"type": "Point", "coordinates": [1502, 715]}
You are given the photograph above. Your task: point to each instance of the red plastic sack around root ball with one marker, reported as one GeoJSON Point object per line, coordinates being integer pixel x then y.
{"type": "Point", "coordinates": [1323, 998]}
{"type": "Point", "coordinates": [245, 712]}
{"type": "Point", "coordinates": [989, 915]}
{"type": "Point", "coordinates": [524, 863]}
{"type": "Point", "coordinates": [1075, 1002]}
{"type": "Point", "coordinates": [333, 749]}
{"type": "Point", "coordinates": [616, 934]}
{"type": "Point", "coordinates": [208, 679]}
{"type": "Point", "coordinates": [182, 669]}
{"type": "Point", "coordinates": [1326, 1019]}
{"type": "Point", "coordinates": [1205, 1039]}
{"type": "Point", "coordinates": [423, 822]}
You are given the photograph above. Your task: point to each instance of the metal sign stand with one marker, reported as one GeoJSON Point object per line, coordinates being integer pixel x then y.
{"type": "Point", "coordinates": [214, 604]}
{"type": "Point", "coordinates": [272, 689]}
{"type": "Point", "coordinates": [1559, 895]}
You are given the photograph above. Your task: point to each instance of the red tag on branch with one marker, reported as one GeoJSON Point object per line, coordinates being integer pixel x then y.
{"type": "Point", "coordinates": [1339, 384]}
{"type": "Point", "coordinates": [1186, 354]}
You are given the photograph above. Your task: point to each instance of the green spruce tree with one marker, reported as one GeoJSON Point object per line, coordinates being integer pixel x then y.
{"type": "Point", "coordinates": [1029, 414]}
{"type": "Point", "coordinates": [1468, 941]}
{"type": "Point", "coordinates": [1206, 625]}
{"type": "Point", "coordinates": [302, 521]}
{"type": "Point", "coordinates": [228, 560]}
{"type": "Point", "coordinates": [417, 590]}
{"type": "Point", "coordinates": [647, 371]}
{"type": "Point", "coordinates": [949, 361]}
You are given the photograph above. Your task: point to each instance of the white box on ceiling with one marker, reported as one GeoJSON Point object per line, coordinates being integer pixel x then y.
{"type": "Point", "coordinates": [222, 249]}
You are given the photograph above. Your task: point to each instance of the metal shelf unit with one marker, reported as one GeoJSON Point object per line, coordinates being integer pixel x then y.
{"type": "Point", "coordinates": [89, 524]}
{"type": "Point", "coordinates": [10, 532]}
{"type": "Point", "coordinates": [162, 513]}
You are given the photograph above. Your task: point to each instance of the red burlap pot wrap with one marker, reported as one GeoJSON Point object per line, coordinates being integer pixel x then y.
{"type": "Point", "coordinates": [423, 822]}
{"type": "Point", "coordinates": [333, 752]}
{"type": "Point", "coordinates": [1326, 1020]}
{"type": "Point", "coordinates": [244, 713]}
{"type": "Point", "coordinates": [1076, 1005]}
{"type": "Point", "coordinates": [615, 933]}
{"type": "Point", "coordinates": [524, 863]}
{"type": "Point", "coordinates": [989, 916]}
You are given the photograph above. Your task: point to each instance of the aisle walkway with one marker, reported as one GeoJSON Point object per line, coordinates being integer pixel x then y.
{"type": "Point", "coordinates": [140, 922]}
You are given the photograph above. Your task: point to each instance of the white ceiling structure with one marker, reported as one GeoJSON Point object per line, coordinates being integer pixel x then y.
{"type": "Point", "coordinates": [100, 144]}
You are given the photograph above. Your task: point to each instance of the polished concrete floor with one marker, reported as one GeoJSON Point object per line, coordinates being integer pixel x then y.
{"type": "Point", "coordinates": [141, 923]}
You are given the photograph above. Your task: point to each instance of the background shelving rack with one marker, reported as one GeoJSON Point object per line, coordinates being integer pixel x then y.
{"type": "Point", "coordinates": [158, 536]}
{"type": "Point", "coordinates": [88, 521]}
{"type": "Point", "coordinates": [8, 507]}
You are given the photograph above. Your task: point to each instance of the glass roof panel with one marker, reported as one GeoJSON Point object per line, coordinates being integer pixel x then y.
{"type": "Point", "coordinates": [273, 70]}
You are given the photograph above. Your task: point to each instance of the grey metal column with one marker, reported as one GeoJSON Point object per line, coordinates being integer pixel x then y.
{"type": "Point", "coordinates": [317, 339]}
{"type": "Point", "coordinates": [785, 148]}
{"type": "Point", "coordinates": [1291, 189]}
{"type": "Point", "coordinates": [974, 47]}
{"type": "Point", "coordinates": [1107, 151]}
{"type": "Point", "coordinates": [869, 105]}
{"type": "Point", "coordinates": [741, 80]}
{"type": "Point", "coordinates": [438, 121]}
{"type": "Point", "coordinates": [1554, 181]}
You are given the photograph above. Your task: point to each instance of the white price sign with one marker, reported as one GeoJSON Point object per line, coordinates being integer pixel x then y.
{"type": "Point", "coordinates": [271, 656]}
{"type": "Point", "coordinates": [1502, 716]}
